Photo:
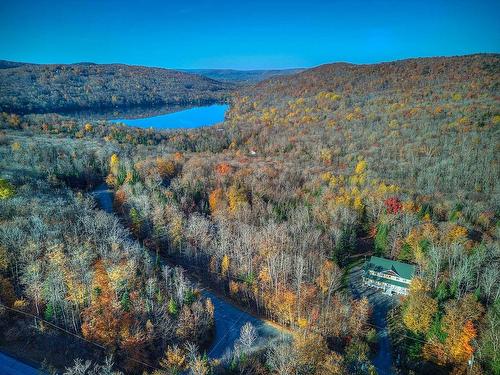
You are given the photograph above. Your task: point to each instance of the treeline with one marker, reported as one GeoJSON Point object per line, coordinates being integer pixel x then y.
{"type": "Point", "coordinates": [213, 139]}
{"type": "Point", "coordinates": [32, 88]}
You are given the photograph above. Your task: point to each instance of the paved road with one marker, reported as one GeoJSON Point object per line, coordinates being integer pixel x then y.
{"type": "Point", "coordinates": [11, 366]}
{"type": "Point", "coordinates": [228, 322]}
{"type": "Point", "coordinates": [228, 318]}
{"type": "Point", "coordinates": [381, 304]}
{"type": "Point", "coordinates": [104, 197]}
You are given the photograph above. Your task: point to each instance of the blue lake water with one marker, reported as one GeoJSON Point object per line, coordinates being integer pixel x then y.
{"type": "Point", "coordinates": [188, 118]}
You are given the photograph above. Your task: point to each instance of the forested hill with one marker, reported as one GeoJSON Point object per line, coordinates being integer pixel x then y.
{"type": "Point", "coordinates": [410, 75]}
{"type": "Point", "coordinates": [243, 76]}
{"type": "Point", "coordinates": [4, 64]}
{"type": "Point", "coordinates": [31, 88]}
{"type": "Point", "coordinates": [428, 125]}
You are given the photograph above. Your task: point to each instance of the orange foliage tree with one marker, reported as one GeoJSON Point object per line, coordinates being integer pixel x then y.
{"type": "Point", "coordinates": [165, 168]}
{"type": "Point", "coordinates": [461, 347]}
{"type": "Point", "coordinates": [458, 324]}
{"type": "Point", "coordinates": [215, 200]}
{"type": "Point", "coordinates": [223, 169]}
{"type": "Point", "coordinates": [102, 320]}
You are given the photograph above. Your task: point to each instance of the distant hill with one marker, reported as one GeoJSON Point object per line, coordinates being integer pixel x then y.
{"type": "Point", "coordinates": [436, 117]}
{"type": "Point", "coordinates": [34, 88]}
{"type": "Point", "coordinates": [4, 64]}
{"type": "Point", "coordinates": [408, 75]}
{"type": "Point", "coordinates": [243, 76]}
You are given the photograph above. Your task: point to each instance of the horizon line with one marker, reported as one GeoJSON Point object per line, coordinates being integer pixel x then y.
{"type": "Point", "coordinates": [255, 69]}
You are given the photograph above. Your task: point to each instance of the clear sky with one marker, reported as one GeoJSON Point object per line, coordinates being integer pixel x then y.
{"type": "Point", "coordinates": [244, 34]}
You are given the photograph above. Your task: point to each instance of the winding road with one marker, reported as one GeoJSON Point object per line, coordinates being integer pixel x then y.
{"type": "Point", "coordinates": [229, 319]}
{"type": "Point", "coordinates": [12, 366]}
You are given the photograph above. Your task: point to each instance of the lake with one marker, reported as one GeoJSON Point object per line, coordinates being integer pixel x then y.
{"type": "Point", "coordinates": [187, 118]}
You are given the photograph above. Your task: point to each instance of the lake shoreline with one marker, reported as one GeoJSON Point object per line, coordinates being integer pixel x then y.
{"type": "Point", "coordinates": [188, 118]}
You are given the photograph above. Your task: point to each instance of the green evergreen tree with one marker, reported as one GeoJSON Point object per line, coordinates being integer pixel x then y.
{"type": "Point", "coordinates": [346, 245]}
{"type": "Point", "coordinates": [381, 241]}
{"type": "Point", "coordinates": [49, 311]}
{"type": "Point", "coordinates": [173, 309]}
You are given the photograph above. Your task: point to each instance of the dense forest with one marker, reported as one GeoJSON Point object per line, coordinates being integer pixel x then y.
{"type": "Point", "coordinates": [90, 278]}
{"type": "Point", "coordinates": [40, 88]}
{"type": "Point", "coordinates": [308, 174]}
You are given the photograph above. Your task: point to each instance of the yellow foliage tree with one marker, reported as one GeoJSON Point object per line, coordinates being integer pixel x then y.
{"type": "Point", "coordinates": [114, 163]}
{"type": "Point", "coordinates": [175, 229]}
{"type": "Point", "coordinates": [16, 146]}
{"type": "Point", "coordinates": [76, 290]}
{"type": "Point", "coordinates": [360, 167]}
{"type": "Point", "coordinates": [326, 156]}
{"type": "Point", "coordinates": [419, 309]}
{"type": "Point", "coordinates": [236, 198]}
{"type": "Point", "coordinates": [213, 264]}
{"type": "Point", "coordinates": [4, 259]}
{"type": "Point", "coordinates": [129, 177]}
{"type": "Point", "coordinates": [111, 180]}
{"type": "Point", "coordinates": [311, 349]}
{"type": "Point", "coordinates": [209, 307]}
{"type": "Point", "coordinates": [283, 305]}
{"type": "Point", "coordinates": [224, 265]}
{"type": "Point", "coordinates": [264, 276]}
{"type": "Point", "coordinates": [329, 277]}
{"type": "Point", "coordinates": [333, 365]}
{"type": "Point", "coordinates": [457, 233]}
{"type": "Point", "coordinates": [234, 288]}
{"type": "Point", "coordinates": [6, 189]}
{"type": "Point", "coordinates": [358, 203]}
{"type": "Point", "coordinates": [174, 360]}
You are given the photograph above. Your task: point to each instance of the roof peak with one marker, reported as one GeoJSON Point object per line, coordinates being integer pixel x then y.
{"type": "Point", "coordinates": [404, 270]}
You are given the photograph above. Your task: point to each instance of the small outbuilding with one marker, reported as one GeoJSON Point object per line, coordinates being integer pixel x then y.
{"type": "Point", "coordinates": [391, 276]}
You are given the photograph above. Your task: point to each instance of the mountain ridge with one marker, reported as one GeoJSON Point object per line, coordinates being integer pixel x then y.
{"type": "Point", "coordinates": [43, 88]}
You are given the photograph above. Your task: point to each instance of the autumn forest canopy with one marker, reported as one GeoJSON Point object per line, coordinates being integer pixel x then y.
{"type": "Point", "coordinates": [311, 172]}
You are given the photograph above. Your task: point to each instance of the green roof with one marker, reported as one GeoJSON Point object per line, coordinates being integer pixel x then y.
{"type": "Point", "coordinates": [404, 270]}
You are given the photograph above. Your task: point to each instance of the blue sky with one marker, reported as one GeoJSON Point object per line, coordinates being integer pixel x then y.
{"type": "Point", "coordinates": [244, 34]}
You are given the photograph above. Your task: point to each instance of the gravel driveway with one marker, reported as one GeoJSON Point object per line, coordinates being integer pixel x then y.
{"type": "Point", "coordinates": [381, 304]}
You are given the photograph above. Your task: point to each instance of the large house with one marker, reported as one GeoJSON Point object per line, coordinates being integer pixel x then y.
{"type": "Point", "coordinates": [391, 276]}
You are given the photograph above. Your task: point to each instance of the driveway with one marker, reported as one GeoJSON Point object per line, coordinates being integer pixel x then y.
{"type": "Point", "coordinates": [380, 304]}
{"type": "Point", "coordinates": [11, 366]}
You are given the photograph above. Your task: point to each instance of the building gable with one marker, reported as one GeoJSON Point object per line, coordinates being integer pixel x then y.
{"type": "Point", "coordinates": [391, 267]}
